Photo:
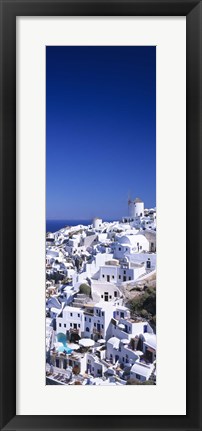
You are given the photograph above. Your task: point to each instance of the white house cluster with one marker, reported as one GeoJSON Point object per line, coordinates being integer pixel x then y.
{"type": "Point", "coordinates": [92, 336]}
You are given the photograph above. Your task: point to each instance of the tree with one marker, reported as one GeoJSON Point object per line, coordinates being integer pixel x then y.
{"type": "Point", "coordinates": [145, 304]}
{"type": "Point", "coordinates": [85, 288]}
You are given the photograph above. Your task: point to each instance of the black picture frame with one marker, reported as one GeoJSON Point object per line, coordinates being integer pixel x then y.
{"type": "Point", "coordinates": [10, 9]}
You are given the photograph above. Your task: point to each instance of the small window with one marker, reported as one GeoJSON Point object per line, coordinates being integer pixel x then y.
{"type": "Point", "coordinates": [60, 325]}
{"type": "Point", "coordinates": [129, 278]}
{"type": "Point", "coordinates": [112, 276]}
{"type": "Point", "coordinates": [145, 328]}
{"type": "Point", "coordinates": [65, 325]}
{"type": "Point", "coordinates": [138, 376]}
{"type": "Point", "coordinates": [124, 272]}
{"type": "Point", "coordinates": [79, 325]}
{"type": "Point", "coordinates": [103, 275]}
{"type": "Point", "coordinates": [110, 296]}
{"type": "Point", "coordinates": [102, 313]}
{"type": "Point", "coordinates": [85, 319]}
{"type": "Point", "coordinates": [101, 296]}
{"type": "Point", "coordinates": [94, 324]}
{"type": "Point", "coordinates": [115, 294]}
{"type": "Point", "coordinates": [119, 277]}
{"type": "Point", "coordinates": [71, 314]}
{"type": "Point", "coordinates": [78, 315]}
{"type": "Point", "coordinates": [89, 320]}
{"type": "Point", "coordinates": [71, 324]}
{"type": "Point", "coordinates": [119, 248]}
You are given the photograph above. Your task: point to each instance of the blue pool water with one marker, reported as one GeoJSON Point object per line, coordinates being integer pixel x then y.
{"type": "Point", "coordinates": [64, 348]}
{"type": "Point", "coordinates": [62, 339]}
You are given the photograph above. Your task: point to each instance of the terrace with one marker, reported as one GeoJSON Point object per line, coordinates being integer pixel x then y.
{"type": "Point", "coordinates": [135, 319]}
{"type": "Point", "coordinates": [59, 375]}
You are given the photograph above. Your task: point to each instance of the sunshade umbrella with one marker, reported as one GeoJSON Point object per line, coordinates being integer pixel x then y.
{"type": "Point", "coordinates": [86, 342]}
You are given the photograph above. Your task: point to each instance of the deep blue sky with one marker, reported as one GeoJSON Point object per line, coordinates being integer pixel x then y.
{"type": "Point", "coordinates": [100, 130]}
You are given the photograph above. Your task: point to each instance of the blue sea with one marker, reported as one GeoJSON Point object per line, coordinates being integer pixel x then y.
{"type": "Point", "coordinates": [55, 225]}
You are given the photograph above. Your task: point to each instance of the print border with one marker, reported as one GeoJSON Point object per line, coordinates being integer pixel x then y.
{"type": "Point", "coordinates": [9, 11]}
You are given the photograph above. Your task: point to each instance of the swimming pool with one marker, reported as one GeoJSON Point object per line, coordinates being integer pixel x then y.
{"type": "Point", "coordinates": [62, 339]}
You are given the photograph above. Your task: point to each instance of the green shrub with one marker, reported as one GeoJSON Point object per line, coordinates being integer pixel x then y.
{"type": "Point", "coordinates": [85, 288]}
{"type": "Point", "coordinates": [144, 313]}
{"type": "Point", "coordinates": [145, 304]}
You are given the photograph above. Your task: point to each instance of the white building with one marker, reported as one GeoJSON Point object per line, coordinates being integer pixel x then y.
{"type": "Point", "coordinates": [92, 269]}
{"type": "Point", "coordinates": [123, 326]}
{"type": "Point", "coordinates": [70, 321]}
{"type": "Point", "coordinates": [130, 244]}
{"type": "Point", "coordinates": [52, 252]}
{"type": "Point", "coordinates": [149, 346]}
{"type": "Point", "coordinates": [98, 325]}
{"type": "Point", "coordinates": [94, 366]}
{"type": "Point", "coordinates": [136, 208]}
{"type": "Point", "coordinates": [148, 259]}
{"type": "Point", "coordinates": [67, 293]}
{"type": "Point", "coordinates": [141, 371]}
{"type": "Point", "coordinates": [97, 223]}
{"type": "Point", "coordinates": [118, 351]}
{"type": "Point", "coordinates": [151, 238]}
{"type": "Point", "coordinates": [102, 291]}
{"type": "Point", "coordinates": [105, 255]}
{"type": "Point", "coordinates": [148, 222]}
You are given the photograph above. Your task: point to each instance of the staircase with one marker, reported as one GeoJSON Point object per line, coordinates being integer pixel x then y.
{"type": "Point", "coordinates": [79, 300]}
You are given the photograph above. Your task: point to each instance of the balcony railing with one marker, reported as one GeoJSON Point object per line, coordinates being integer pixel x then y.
{"type": "Point", "coordinates": [74, 331]}
{"type": "Point", "coordinates": [96, 332]}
